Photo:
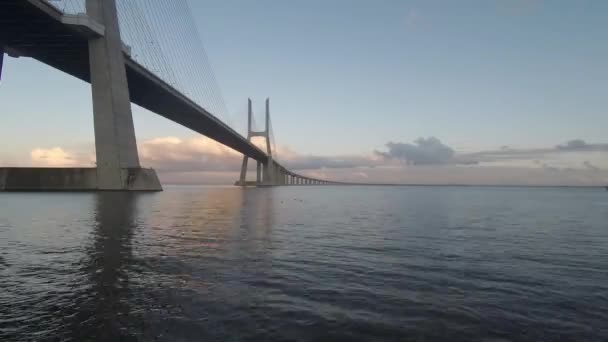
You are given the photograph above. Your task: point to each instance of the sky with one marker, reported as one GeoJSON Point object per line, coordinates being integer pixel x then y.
{"type": "Point", "coordinates": [433, 92]}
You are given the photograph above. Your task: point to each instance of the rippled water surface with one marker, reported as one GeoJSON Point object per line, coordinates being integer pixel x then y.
{"type": "Point", "coordinates": [306, 264]}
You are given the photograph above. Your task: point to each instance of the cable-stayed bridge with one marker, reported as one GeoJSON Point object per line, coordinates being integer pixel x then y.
{"type": "Point", "coordinates": [146, 52]}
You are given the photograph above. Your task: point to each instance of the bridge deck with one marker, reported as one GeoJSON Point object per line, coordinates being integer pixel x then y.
{"type": "Point", "coordinates": [33, 28]}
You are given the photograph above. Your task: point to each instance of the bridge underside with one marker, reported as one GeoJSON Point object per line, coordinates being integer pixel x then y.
{"type": "Point", "coordinates": [32, 28]}
{"type": "Point", "coordinates": [36, 29]}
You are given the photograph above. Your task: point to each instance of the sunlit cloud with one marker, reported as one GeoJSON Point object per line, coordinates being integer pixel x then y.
{"type": "Point", "coordinates": [200, 160]}
{"type": "Point", "coordinates": [52, 157]}
{"type": "Point", "coordinates": [188, 154]}
{"type": "Point", "coordinates": [203, 154]}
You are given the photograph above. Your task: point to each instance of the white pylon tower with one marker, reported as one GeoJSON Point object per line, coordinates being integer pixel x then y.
{"type": "Point", "coordinates": [266, 135]}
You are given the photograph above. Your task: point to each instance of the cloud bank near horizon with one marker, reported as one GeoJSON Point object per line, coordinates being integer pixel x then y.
{"type": "Point", "coordinates": [425, 161]}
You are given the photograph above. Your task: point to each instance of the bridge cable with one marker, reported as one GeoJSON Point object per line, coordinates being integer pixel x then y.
{"type": "Point", "coordinates": [164, 39]}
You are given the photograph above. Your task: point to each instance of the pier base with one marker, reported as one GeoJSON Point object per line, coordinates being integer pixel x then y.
{"type": "Point", "coordinates": [72, 179]}
{"type": "Point", "coordinates": [246, 183]}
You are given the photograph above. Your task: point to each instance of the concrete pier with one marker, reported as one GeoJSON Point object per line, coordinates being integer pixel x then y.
{"type": "Point", "coordinates": [266, 177]}
{"type": "Point", "coordinates": [72, 179]}
{"type": "Point", "coordinates": [115, 143]}
{"type": "Point", "coordinates": [258, 178]}
{"type": "Point", "coordinates": [243, 178]}
{"type": "Point", "coordinates": [118, 167]}
{"type": "Point", "coordinates": [267, 172]}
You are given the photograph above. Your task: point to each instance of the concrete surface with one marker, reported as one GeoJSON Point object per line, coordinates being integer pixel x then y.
{"type": "Point", "coordinates": [115, 143]}
{"type": "Point", "coordinates": [73, 179]}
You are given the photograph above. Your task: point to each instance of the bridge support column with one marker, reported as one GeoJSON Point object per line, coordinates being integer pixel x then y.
{"type": "Point", "coordinates": [118, 165]}
{"type": "Point", "coordinates": [265, 173]}
{"type": "Point", "coordinates": [243, 178]}
{"type": "Point", "coordinates": [268, 172]}
{"type": "Point", "coordinates": [258, 178]}
{"type": "Point", "coordinates": [277, 174]}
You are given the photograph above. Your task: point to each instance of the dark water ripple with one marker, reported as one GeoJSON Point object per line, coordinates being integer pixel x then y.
{"type": "Point", "coordinates": [306, 264]}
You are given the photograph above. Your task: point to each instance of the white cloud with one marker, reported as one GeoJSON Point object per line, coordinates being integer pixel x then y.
{"type": "Point", "coordinates": [54, 157]}
{"type": "Point", "coordinates": [422, 152]}
{"type": "Point", "coordinates": [199, 160]}
{"type": "Point", "coordinates": [185, 155]}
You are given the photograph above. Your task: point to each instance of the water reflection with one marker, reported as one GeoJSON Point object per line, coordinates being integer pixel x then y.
{"type": "Point", "coordinates": [202, 250]}
{"type": "Point", "coordinates": [203, 222]}
{"type": "Point", "coordinates": [227, 264]}
{"type": "Point", "coordinates": [102, 307]}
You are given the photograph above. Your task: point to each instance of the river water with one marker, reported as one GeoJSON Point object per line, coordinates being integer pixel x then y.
{"type": "Point", "coordinates": [306, 264]}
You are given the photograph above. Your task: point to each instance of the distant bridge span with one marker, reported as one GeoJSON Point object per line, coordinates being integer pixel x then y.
{"type": "Point", "coordinates": [88, 47]}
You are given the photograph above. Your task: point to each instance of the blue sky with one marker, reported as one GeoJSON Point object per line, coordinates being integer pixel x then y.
{"type": "Point", "coordinates": [347, 76]}
{"type": "Point", "coordinates": [476, 74]}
